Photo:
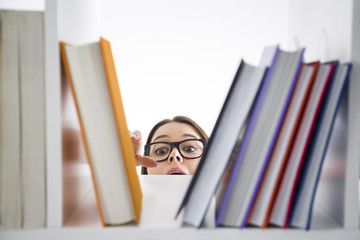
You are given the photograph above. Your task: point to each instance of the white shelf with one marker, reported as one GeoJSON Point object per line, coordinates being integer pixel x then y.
{"type": "Point", "coordinates": [323, 226]}
{"type": "Point", "coordinates": [185, 233]}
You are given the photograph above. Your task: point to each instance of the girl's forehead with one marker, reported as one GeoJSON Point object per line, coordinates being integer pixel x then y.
{"type": "Point", "coordinates": [175, 132]}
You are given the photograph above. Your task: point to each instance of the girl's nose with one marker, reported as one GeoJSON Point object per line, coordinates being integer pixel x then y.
{"type": "Point", "coordinates": [175, 156]}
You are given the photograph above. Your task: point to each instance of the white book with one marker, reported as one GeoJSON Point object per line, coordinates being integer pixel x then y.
{"type": "Point", "coordinates": [32, 91]}
{"type": "Point", "coordinates": [23, 120]}
{"type": "Point", "coordinates": [10, 178]}
{"type": "Point", "coordinates": [92, 78]}
{"type": "Point", "coordinates": [162, 195]}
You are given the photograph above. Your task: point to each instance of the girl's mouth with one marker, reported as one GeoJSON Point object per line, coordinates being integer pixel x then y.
{"type": "Point", "coordinates": [176, 171]}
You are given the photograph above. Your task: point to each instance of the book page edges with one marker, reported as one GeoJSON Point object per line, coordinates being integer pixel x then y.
{"type": "Point", "coordinates": [122, 129]}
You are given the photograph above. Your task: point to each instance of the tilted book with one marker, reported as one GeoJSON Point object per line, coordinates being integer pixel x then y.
{"type": "Point", "coordinates": [91, 75]}
{"type": "Point", "coordinates": [228, 126]}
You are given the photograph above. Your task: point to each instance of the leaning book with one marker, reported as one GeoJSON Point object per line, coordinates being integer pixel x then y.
{"type": "Point", "coordinates": [231, 121]}
{"type": "Point", "coordinates": [91, 75]}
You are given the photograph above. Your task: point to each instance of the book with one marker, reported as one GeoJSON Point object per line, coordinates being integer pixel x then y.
{"type": "Point", "coordinates": [304, 200]}
{"type": "Point", "coordinates": [267, 191]}
{"type": "Point", "coordinates": [91, 75]}
{"type": "Point", "coordinates": [10, 178]}
{"type": "Point", "coordinates": [23, 183]}
{"type": "Point", "coordinates": [231, 120]}
{"type": "Point", "coordinates": [159, 193]}
{"type": "Point", "coordinates": [32, 90]}
{"type": "Point", "coordinates": [267, 60]}
{"type": "Point", "coordinates": [261, 133]}
{"type": "Point", "coordinates": [282, 204]}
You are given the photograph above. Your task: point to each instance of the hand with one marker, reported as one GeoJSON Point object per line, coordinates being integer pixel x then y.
{"type": "Point", "coordinates": [140, 160]}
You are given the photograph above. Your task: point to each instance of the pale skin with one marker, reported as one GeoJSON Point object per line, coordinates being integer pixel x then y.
{"type": "Point", "coordinates": [141, 160]}
{"type": "Point", "coordinates": [170, 132]}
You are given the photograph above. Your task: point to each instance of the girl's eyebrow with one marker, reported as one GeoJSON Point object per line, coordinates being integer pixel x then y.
{"type": "Point", "coordinates": [161, 136]}
{"type": "Point", "coordinates": [166, 136]}
{"type": "Point", "coordinates": [189, 135]}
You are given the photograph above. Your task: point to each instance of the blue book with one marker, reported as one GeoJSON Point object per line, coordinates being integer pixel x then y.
{"type": "Point", "coordinates": [304, 199]}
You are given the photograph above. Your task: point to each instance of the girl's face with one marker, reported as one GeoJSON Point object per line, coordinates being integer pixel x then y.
{"type": "Point", "coordinates": [175, 163]}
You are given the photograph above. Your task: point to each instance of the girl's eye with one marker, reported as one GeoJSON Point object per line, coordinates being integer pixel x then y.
{"type": "Point", "coordinates": [161, 151]}
{"type": "Point", "coordinates": [189, 149]}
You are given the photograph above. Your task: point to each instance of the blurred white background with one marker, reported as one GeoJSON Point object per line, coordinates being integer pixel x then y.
{"type": "Point", "coordinates": [180, 57]}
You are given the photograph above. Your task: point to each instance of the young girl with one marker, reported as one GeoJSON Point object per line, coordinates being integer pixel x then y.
{"type": "Point", "coordinates": [174, 146]}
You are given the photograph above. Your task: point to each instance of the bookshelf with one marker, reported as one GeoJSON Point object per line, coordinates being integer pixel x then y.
{"type": "Point", "coordinates": [328, 225]}
{"type": "Point", "coordinates": [133, 233]}
{"type": "Point", "coordinates": [53, 118]}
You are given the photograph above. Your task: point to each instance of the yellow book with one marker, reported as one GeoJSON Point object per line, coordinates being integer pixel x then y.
{"type": "Point", "coordinates": [91, 75]}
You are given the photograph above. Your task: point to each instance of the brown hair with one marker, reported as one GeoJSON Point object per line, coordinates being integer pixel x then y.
{"type": "Point", "coordinates": [177, 119]}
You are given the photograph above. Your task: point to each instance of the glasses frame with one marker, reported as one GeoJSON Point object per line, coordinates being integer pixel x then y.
{"type": "Point", "coordinates": [172, 145]}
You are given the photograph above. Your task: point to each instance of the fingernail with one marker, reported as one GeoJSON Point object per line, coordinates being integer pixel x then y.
{"type": "Point", "coordinates": [133, 136]}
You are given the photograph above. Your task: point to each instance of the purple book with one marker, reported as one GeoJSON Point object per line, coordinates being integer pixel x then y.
{"type": "Point", "coordinates": [260, 136]}
{"type": "Point", "coordinates": [232, 118]}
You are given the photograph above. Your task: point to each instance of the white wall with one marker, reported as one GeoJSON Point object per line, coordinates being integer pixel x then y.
{"type": "Point", "coordinates": [179, 57]}
{"type": "Point", "coordinates": [324, 27]}
{"type": "Point", "coordinates": [35, 5]}
{"type": "Point", "coordinates": [79, 21]}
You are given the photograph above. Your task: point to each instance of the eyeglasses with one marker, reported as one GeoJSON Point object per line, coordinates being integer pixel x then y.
{"type": "Point", "coordinates": [189, 149]}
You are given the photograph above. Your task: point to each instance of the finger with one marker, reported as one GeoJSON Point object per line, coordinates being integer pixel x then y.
{"type": "Point", "coordinates": [135, 135]}
{"type": "Point", "coordinates": [136, 141]}
{"type": "Point", "coordinates": [146, 161]}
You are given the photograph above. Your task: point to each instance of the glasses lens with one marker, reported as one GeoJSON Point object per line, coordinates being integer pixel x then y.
{"type": "Point", "coordinates": [191, 148]}
{"type": "Point", "coordinates": [159, 151]}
